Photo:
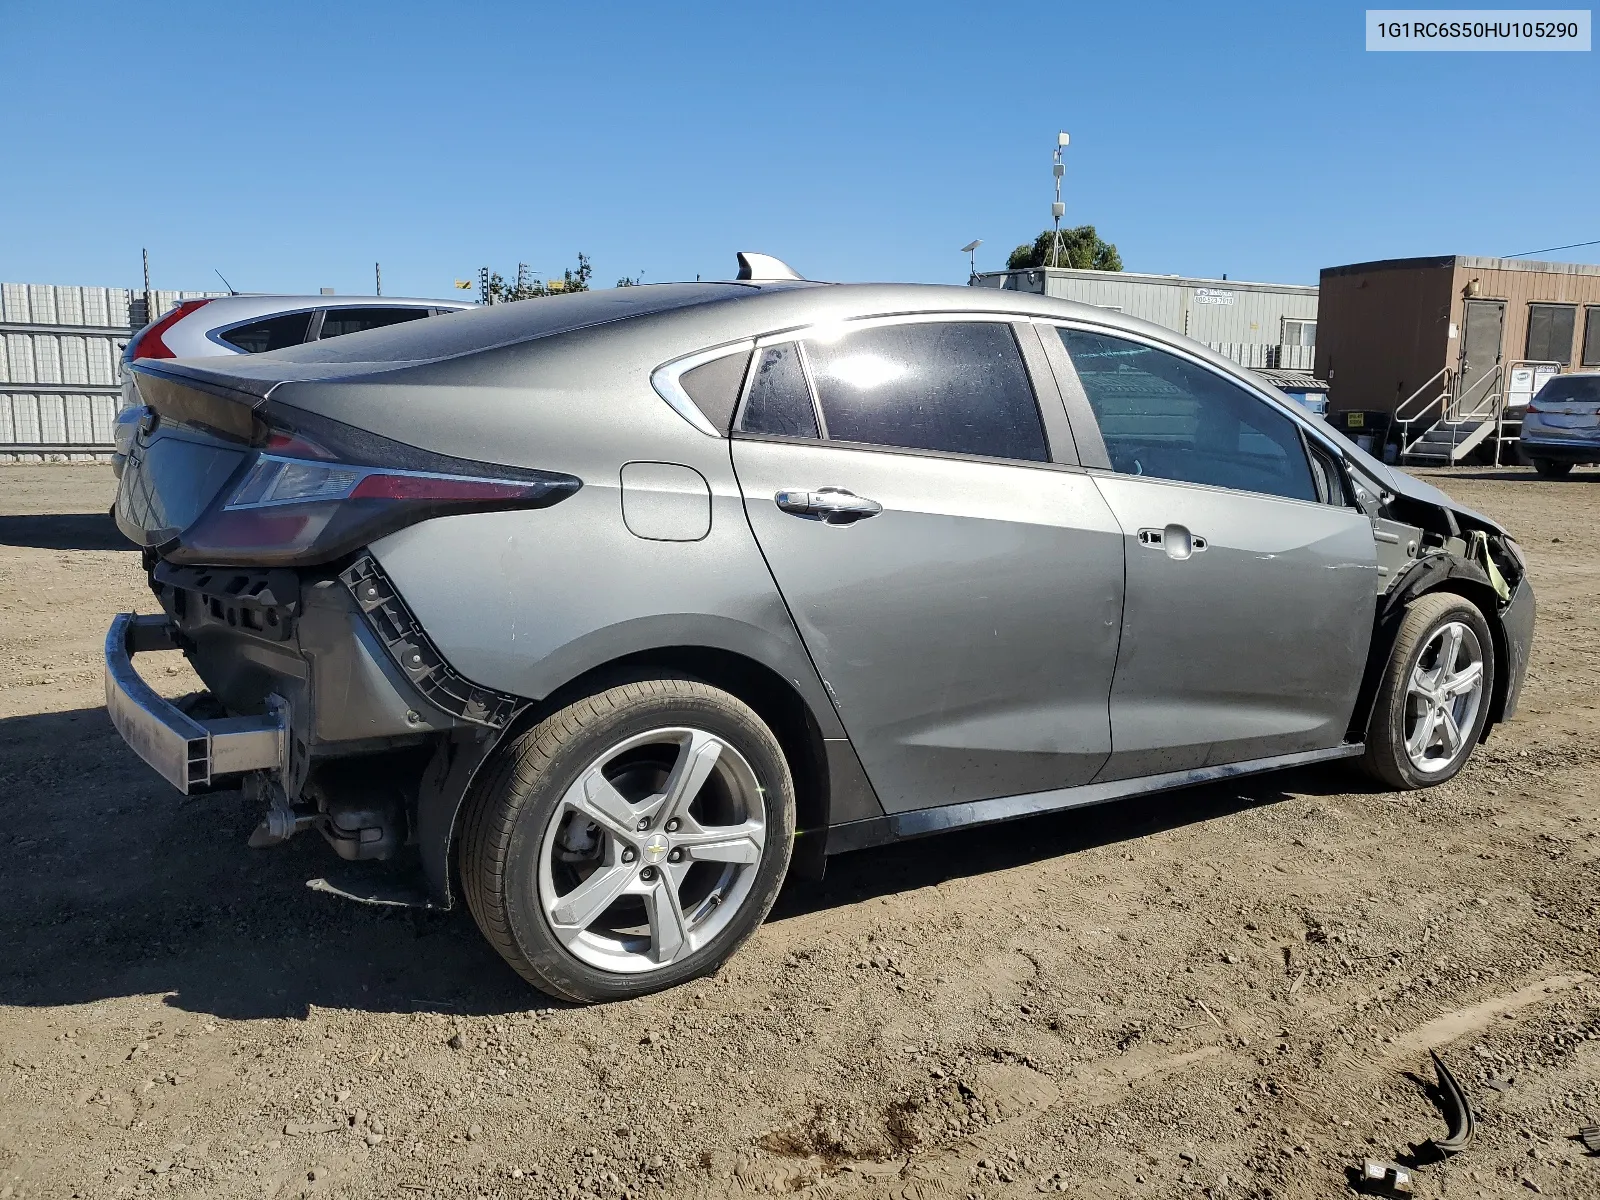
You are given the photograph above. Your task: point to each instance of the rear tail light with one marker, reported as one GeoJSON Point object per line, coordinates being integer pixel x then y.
{"type": "Point", "coordinates": [275, 481]}
{"type": "Point", "coordinates": [148, 344]}
{"type": "Point", "coordinates": [312, 496]}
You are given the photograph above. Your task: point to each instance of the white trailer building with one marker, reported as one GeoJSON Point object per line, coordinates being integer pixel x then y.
{"type": "Point", "coordinates": [1271, 325]}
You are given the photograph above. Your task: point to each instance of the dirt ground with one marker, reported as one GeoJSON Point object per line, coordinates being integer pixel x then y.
{"type": "Point", "coordinates": [1224, 992]}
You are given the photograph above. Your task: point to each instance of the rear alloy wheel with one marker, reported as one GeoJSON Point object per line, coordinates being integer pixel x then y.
{"type": "Point", "coordinates": [629, 842]}
{"type": "Point", "coordinates": [1434, 699]}
{"type": "Point", "coordinates": [1549, 468]}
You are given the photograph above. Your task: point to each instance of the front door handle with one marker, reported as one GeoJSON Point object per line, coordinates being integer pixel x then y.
{"type": "Point", "coordinates": [830, 505]}
{"type": "Point", "coordinates": [1176, 540]}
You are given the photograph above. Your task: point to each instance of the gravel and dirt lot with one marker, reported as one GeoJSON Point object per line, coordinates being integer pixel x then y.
{"type": "Point", "coordinates": [1224, 992]}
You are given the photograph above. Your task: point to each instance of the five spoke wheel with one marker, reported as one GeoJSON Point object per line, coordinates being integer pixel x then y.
{"type": "Point", "coordinates": [651, 850]}
{"type": "Point", "coordinates": [1435, 694]}
{"type": "Point", "coordinates": [1443, 697]}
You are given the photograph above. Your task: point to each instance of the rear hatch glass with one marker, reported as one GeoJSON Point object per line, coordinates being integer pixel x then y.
{"type": "Point", "coordinates": [170, 478]}
{"type": "Point", "coordinates": [1570, 394]}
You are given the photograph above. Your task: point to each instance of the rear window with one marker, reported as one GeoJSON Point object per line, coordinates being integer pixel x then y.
{"type": "Point", "coordinates": [1569, 389]}
{"type": "Point", "coordinates": [504, 324]}
{"type": "Point", "coordinates": [336, 322]}
{"type": "Point", "coordinates": [714, 387]}
{"type": "Point", "coordinates": [272, 333]}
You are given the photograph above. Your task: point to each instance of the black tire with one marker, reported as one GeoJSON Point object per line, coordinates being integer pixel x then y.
{"type": "Point", "coordinates": [1549, 468]}
{"type": "Point", "coordinates": [1387, 759]}
{"type": "Point", "coordinates": [510, 809]}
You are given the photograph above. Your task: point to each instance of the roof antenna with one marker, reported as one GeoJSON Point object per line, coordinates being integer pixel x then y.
{"type": "Point", "coordinates": [764, 266]}
{"type": "Point", "coordinates": [225, 282]}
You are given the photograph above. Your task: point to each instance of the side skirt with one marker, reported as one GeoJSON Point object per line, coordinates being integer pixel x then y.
{"type": "Point", "coordinates": [921, 822]}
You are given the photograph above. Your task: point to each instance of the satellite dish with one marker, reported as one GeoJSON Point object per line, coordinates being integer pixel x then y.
{"type": "Point", "coordinates": [972, 245]}
{"type": "Point", "coordinates": [764, 266]}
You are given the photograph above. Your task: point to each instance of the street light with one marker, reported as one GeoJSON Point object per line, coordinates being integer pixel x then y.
{"type": "Point", "coordinates": [972, 259]}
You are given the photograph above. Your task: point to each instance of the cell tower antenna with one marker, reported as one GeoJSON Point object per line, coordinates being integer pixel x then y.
{"type": "Point", "coordinates": [1058, 209]}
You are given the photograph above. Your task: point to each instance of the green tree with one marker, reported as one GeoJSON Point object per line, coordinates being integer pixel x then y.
{"type": "Point", "coordinates": [1081, 247]}
{"type": "Point", "coordinates": [572, 280]}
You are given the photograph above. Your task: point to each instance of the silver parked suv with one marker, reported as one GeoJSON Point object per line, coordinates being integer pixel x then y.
{"type": "Point", "coordinates": [608, 610]}
{"type": "Point", "coordinates": [1561, 425]}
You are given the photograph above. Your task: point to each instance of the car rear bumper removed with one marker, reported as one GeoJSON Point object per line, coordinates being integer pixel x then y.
{"type": "Point", "coordinates": [193, 755]}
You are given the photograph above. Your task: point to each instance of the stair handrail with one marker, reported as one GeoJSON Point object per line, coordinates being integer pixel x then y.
{"type": "Point", "coordinates": [1439, 399]}
{"type": "Point", "coordinates": [1460, 411]}
{"type": "Point", "coordinates": [1489, 405]}
{"type": "Point", "coordinates": [1500, 420]}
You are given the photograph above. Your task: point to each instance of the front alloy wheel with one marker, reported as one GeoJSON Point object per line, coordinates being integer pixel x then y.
{"type": "Point", "coordinates": [1434, 697]}
{"type": "Point", "coordinates": [629, 842]}
{"type": "Point", "coordinates": [1443, 697]}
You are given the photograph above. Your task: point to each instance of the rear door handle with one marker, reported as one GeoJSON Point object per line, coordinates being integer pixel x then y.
{"type": "Point", "coordinates": [1176, 540]}
{"type": "Point", "coordinates": [830, 505]}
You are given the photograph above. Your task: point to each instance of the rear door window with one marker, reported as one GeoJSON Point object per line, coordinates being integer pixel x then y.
{"type": "Point", "coordinates": [336, 322]}
{"type": "Point", "coordinates": [269, 333]}
{"type": "Point", "coordinates": [959, 387]}
{"type": "Point", "coordinates": [1167, 417]}
{"type": "Point", "coordinates": [779, 401]}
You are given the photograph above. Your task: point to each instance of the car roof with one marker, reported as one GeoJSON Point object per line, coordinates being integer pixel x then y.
{"type": "Point", "coordinates": [672, 319]}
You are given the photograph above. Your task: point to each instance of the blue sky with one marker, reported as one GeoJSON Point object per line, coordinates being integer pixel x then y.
{"type": "Point", "coordinates": [292, 145]}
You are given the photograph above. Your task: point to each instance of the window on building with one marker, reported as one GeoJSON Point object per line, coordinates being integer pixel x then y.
{"type": "Point", "coordinates": [1299, 333]}
{"type": "Point", "coordinates": [1167, 417]}
{"type": "Point", "coordinates": [954, 386]}
{"type": "Point", "coordinates": [274, 333]}
{"type": "Point", "coordinates": [1591, 336]}
{"type": "Point", "coordinates": [1550, 332]}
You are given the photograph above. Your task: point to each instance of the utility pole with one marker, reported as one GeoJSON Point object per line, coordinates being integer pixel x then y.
{"type": "Point", "coordinates": [377, 278]}
{"type": "Point", "coordinates": [523, 284]}
{"type": "Point", "coordinates": [148, 315]}
{"type": "Point", "coordinates": [1058, 209]}
{"type": "Point", "coordinates": [483, 286]}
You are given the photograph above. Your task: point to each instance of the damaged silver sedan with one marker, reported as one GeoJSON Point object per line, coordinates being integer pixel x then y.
{"type": "Point", "coordinates": [608, 611]}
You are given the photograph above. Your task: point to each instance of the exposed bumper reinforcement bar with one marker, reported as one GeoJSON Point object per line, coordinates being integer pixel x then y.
{"type": "Point", "coordinates": [192, 755]}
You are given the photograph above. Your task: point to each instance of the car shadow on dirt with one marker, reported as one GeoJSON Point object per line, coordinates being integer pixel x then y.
{"type": "Point", "coordinates": [114, 885]}
{"type": "Point", "coordinates": [868, 874]}
{"type": "Point", "coordinates": [63, 531]}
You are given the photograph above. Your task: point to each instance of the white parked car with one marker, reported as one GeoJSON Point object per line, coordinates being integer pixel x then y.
{"type": "Point", "coordinates": [217, 325]}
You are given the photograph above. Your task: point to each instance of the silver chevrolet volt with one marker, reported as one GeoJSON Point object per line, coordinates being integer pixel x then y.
{"type": "Point", "coordinates": [608, 611]}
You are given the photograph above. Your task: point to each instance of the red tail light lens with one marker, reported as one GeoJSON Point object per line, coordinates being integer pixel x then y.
{"type": "Point", "coordinates": [299, 512]}
{"type": "Point", "coordinates": [149, 344]}
{"type": "Point", "coordinates": [273, 481]}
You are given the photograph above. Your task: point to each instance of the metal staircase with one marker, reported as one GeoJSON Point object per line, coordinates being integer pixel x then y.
{"type": "Point", "coordinates": [1437, 426]}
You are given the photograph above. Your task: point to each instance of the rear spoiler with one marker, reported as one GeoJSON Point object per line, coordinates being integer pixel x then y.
{"type": "Point", "coordinates": [223, 405]}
